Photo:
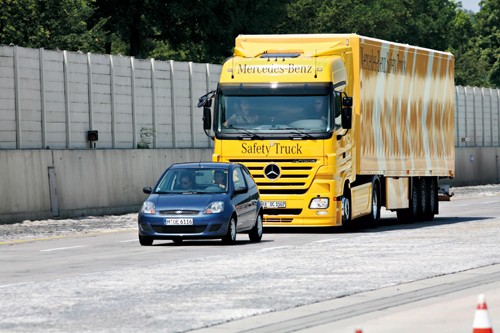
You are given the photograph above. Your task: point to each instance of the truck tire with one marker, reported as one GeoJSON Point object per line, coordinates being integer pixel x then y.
{"type": "Point", "coordinates": [374, 217]}
{"type": "Point", "coordinates": [414, 212]}
{"type": "Point", "coordinates": [431, 199]}
{"type": "Point", "coordinates": [424, 199]}
{"type": "Point", "coordinates": [346, 209]}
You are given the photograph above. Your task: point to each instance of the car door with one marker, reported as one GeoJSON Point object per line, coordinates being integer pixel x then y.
{"type": "Point", "coordinates": [253, 193]}
{"type": "Point", "coordinates": [241, 199]}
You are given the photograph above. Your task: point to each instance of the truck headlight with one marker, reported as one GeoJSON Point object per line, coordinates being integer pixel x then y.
{"type": "Point", "coordinates": [214, 208]}
{"type": "Point", "coordinates": [319, 203]}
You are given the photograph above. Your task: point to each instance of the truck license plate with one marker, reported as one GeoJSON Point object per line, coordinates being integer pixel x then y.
{"type": "Point", "coordinates": [274, 204]}
{"type": "Point", "coordinates": [179, 221]}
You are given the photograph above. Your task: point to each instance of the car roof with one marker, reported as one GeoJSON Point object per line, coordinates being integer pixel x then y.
{"type": "Point", "coordinates": [198, 165]}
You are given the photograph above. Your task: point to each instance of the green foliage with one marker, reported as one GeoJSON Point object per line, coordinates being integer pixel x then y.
{"type": "Point", "coordinates": [488, 29]}
{"type": "Point", "coordinates": [52, 24]}
{"type": "Point", "coordinates": [204, 30]}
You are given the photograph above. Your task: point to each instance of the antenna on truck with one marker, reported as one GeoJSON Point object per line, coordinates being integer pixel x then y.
{"type": "Point", "coordinates": [232, 68]}
{"type": "Point", "coordinates": [315, 64]}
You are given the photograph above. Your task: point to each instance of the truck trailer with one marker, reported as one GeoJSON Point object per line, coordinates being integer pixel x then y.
{"type": "Point", "coordinates": [334, 126]}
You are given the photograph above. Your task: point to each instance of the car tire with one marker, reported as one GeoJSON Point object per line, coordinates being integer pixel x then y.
{"type": "Point", "coordinates": [230, 236]}
{"type": "Point", "coordinates": [177, 240]}
{"type": "Point", "coordinates": [145, 240]}
{"type": "Point", "coordinates": [255, 234]}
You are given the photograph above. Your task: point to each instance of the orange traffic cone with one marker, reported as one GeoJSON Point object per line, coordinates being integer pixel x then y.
{"type": "Point", "coordinates": [481, 319]}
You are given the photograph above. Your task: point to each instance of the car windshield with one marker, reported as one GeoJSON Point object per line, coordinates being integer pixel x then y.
{"type": "Point", "coordinates": [191, 180]}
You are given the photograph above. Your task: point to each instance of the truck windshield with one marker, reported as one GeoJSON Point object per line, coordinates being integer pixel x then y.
{"type": "Point", "coordinates": [298, 108]}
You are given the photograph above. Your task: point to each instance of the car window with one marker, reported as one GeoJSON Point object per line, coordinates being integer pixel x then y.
{"type": "Point", "coordinates": [192, 180]}
{"type": "Point", "coordinates": [238, 179]}
{"type": "Point", "coordinates": [248, 177]}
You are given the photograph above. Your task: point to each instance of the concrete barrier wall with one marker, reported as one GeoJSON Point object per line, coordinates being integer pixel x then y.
{"type": "Point", "coordinates": [38, 184]}
{"type": "Point", "coordinates": [51, 99]}
{"type": "Point", "coordinates": [476, 166]}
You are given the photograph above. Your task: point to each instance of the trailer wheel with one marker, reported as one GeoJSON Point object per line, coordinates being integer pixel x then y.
{"type": "Point", "coordinates": [414, 212]}
{"type": "Point", "coordinates": [374, 217]}
{"type": "Point", "coordinates": [431, 199]}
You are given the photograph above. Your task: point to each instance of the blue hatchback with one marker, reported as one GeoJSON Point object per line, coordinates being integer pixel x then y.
{"type": "Point", "coordinates": [201, 200]}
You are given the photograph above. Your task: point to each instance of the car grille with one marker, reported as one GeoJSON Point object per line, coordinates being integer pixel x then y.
{"type": "Point", "coordinates": [178, 212]}
{"type": "Point", "coordinates": [182, 229]}
{"type": "Point", "coordinates": [295, 178]}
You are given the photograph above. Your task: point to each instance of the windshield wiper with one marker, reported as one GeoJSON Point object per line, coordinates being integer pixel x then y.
{"type": "Point", "coordinates": [162, 192]}
{"type": "Point", "coordinates": [298, 133]}
{"type": "Point", "coordinates": [252, 135]}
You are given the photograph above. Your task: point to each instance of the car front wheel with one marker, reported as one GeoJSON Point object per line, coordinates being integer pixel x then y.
{"type": "Point", "coordinates": [145, 241]}
{"type": "Point", "coordinates": [255, 234]}
{"type": "Point", "coordinates": [230, 237]}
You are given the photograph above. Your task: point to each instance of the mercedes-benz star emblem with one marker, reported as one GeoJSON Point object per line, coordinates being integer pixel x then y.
{"type": "Point", "coordinates": [272, 171]}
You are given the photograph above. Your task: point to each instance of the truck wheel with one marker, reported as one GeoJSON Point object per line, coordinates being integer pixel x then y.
{"type": "Point", "coordinates": [374, 217]}
{"type": "Point", "coordinates": [431, 199]}
{"type": "Point", "coordinates": [414, 212]}
{"type": "Point", "coordinates": [346, 208]}
{"type": "Point", "coordinates": [424, 199]}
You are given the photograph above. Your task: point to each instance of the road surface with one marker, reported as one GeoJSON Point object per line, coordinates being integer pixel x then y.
{"type": "Point", "coordinates": [394, 276]}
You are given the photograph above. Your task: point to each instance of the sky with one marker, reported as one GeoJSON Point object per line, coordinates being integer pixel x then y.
{"type": "Point", "coordinates": [470, 5]}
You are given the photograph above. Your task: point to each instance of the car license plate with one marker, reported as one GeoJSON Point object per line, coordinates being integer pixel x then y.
{"type": "Point", "coordinates": [179, 221]}
{"type": "Point", "coordinates": [274, 204]}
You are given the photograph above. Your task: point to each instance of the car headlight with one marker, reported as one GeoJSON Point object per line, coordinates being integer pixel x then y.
{"type": "Point", "coordinates": [319, 203]}
{"type": "Point", "coordinates": [214, 208]}
{"type": "Point", "coordinates": [148, 208]}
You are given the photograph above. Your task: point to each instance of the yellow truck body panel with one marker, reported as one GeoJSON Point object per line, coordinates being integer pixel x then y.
{"type": "Point", "coordinates": [402, 122]}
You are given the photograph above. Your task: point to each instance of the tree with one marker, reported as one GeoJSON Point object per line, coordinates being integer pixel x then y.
{"type": "Point", "coordinates": [63, 24]}
{"type": "Point", "coordinates": [204, 30]}
{"type": "Point", "coordinates": [488, 29]}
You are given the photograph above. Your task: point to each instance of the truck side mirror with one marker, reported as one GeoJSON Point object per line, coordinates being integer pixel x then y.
{"type": "Point", "coordinates": [346, 112]}
{"type": "Point", "coordinates": [346, 118]}
{"type": "Point", "coordinates": [207, 118]}
{"type": "Point", "coordinates": [347, 101]}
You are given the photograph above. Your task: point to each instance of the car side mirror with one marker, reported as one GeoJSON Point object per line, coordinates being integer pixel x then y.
{"type": "Point", "coordinates": [242, 189]}
{"type": "Point", "coordinates": [147, 190]}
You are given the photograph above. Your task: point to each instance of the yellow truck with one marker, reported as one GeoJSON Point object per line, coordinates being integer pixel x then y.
{"type": "Point", "coordinates": [335, 126]}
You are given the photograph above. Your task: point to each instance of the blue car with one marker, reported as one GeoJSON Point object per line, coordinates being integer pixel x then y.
{"type": "Point", "coordinates": [201, 200]}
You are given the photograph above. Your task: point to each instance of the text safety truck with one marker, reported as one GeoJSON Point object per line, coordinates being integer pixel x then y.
{"type": "Point", "coordinates": [334, 126]}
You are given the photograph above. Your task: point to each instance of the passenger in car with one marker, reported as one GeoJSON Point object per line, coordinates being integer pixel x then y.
{"type": "Point", "coordinates": [220, 178]}
{"type": "Point", "coordinates": [186, 182]}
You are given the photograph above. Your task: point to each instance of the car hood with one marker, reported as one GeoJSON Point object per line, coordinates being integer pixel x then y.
{"type": "Point", "coordinates": [184, 201]}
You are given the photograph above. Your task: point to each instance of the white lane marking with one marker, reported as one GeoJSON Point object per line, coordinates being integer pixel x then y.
{"type": "Point", "coordinates": [62, 248]}
{"type": "Point", "coordinates": [325, 240]}
{"type": "Point", "coordinates": [274, 248]}
{"type": "Point", "coordinates": [127, 241]}
{"type": "Point", "coordinates": [12, 284]}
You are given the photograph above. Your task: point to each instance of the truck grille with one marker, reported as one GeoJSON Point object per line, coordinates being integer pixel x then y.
{"type": "Point", "coordinates": [295, 175]}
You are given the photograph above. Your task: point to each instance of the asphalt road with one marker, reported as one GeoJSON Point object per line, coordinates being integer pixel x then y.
{"type": "Point", "coordinates": [294, 280]}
